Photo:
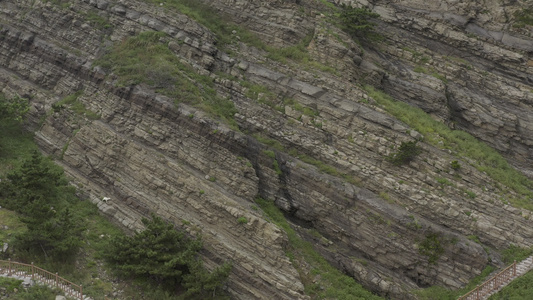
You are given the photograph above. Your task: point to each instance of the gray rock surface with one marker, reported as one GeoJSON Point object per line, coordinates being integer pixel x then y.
{"type": "Point", "coordinates": [368, 217]}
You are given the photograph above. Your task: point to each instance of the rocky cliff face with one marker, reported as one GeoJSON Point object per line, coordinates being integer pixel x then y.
{"type": "Point", "coordinates": [486, 61]}
{"type": "Point", "coordinates": [326, 169]}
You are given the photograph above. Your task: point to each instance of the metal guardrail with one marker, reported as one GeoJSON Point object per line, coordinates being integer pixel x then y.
{"type": "Point", "coordinates": [11, 268]}
{"type": "Point", "coordinates": [492, 284]}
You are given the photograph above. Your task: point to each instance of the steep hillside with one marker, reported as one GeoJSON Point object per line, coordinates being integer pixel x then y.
{"type": "Point", "coordinates": [195, 110]}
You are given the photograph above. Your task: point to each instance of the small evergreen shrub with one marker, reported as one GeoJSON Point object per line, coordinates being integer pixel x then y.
{"type": "Point", "coordinates": [455, 165]}
{"type": "Point", "coordinates": [357, 22]}
{"type": "Point", "coordinates": [406, 153]}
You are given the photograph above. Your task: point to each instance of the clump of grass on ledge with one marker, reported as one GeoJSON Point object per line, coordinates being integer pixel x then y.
{"type": "Point", "coordinates": [487, 159]}
{"type": "Point", "coordinates": [523, 17]}
{"type": "Point", "coordinates": [76, 106]}
{"type": "Point", "coordinates": [515, 253]}
{"type": "Point", "coordinates": [146, 58]}
{"type": "Point", "coordinates": [219, 24]}
{"type": "Point", "coordinates": [335, 284]}
{"type": "Point", "coordinates": [223, 28]}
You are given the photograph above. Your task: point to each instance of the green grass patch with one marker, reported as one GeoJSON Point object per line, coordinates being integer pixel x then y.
{"type": "Point", "coordinates": [16, 145]}
{"type": "Point", "coordinates": [472, 237]}
{"type": "Point", "coordinates": [486, 159]}
{"type": "Point", "coordinates": [10, 284]}
{"type": "Point", "coordinates": [323, 167]}
{"type": "Point", "coordinates": [440, 293]}
{"type": "Point", "coordinates": [439, 76]}
{"type": "Point", "coordinates": [420, 69]}
{"type": "Point", "coordinates": [275, 164]}
{"type": "Point", "coordinates": [98, 21]}
{"type": "Point", "coordinates": [519, 288]}
{"type": "Point", "coordinates": [305, 110]}
{"type": "Point", "coordinates": [523, 17]}
{"type": "Point", "coordinates": [299, 54]}
{"type": "Point", "coordinates": [515, 253]}
{"type": "Point", "coordinates": [471, 194]}
{"type": "Point", "coordinates": [224, 27]}
{"type": "Point", "coordinates": [269, 153]}
{"type": "Point", "coordinates": [14, 226]}
{"type": "Point", "coordinates": [75, 105]}
{"type": "Point", "coordinates": [60, 3]}
{"type": "Point", "coordinates": [262, 95]}
{"type": "Point", "coordinates": [32, 293]}
{"type": "Point", "coordinates": [146, 58]}
{"type": "Point", "coordinates": [443, 181]}
{"type": "Point", "coordinates": [270, 142]}
{"type": "Point", "coordinates": [336, 285]}
{"type": "Point", "coordinates": [40, 292]}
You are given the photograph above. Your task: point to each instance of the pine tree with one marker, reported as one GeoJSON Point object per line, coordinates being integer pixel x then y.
{"type": "Point", "coordinates": [357, 22]}
{"type": "Point", "coordinates": [33, 181]}
{"type": "Point", "coordinates": [13, 109]}
{"type": "Point", "coordinates": [202, 284]}
{"type": "Point", "coordinates": [166, 256]}
{"type": "Point", "coordinates": [36, 190]}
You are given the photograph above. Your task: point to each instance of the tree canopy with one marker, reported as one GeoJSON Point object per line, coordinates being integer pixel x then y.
{"type": "Point", "coordinates": [14, 108]}
{"type": "Point", "coordinates": [169, 258]}
{"type": "Point", "coordinates": [40, 193]}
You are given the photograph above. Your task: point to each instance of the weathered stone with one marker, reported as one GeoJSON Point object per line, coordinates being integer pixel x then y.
{"type": "Point", "coordinates": [149, 156]}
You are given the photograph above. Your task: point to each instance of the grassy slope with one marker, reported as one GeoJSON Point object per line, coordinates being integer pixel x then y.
{"type": "Point", "coordinates": [462, 144]}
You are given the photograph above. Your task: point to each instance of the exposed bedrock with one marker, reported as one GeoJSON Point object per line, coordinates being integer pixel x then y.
{"type": "Point", "coordinates": [367, 217]}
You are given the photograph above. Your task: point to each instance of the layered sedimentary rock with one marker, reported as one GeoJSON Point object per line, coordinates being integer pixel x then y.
{"type": "Point", "coordinates": [371, 216]}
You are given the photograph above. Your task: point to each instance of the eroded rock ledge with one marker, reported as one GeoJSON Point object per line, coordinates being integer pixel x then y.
{"type": "Point", "coordinates": [149, 156]}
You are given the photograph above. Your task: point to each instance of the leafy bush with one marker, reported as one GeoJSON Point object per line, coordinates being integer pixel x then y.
{"type": "Point", "coordinates": [406, 153]}
{"type": "Point", "coordinates": [431, 247]}
{"type": "Point", "coordinates": [167, 257]}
